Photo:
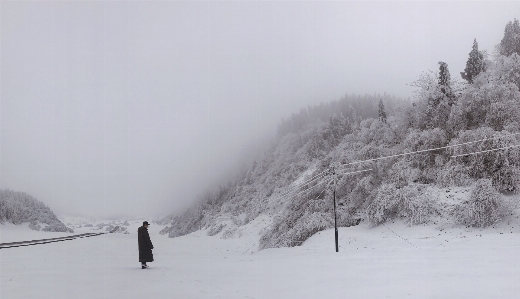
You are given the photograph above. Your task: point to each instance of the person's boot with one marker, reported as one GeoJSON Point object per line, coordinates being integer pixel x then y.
{"type": "Point", "coordinates": [144, 266]}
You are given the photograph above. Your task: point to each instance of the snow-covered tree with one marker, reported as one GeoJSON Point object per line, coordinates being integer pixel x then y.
{"type": "Point", "coordinates": [500, 166]}
{"type": "Point", "coordinates": [492, 100]}
{"type": "Point", "coordinates": [475, 64]}
{"type": "Point", "coordinates": [505, 70]}
{"type": "Point", "coordinates": [422, 140]}
{"type": "Point", "coordinates": [510, 43]}
{"type": "Point", "coordinates": [338, 127]}
{"type": "Point", "coordinates": [382, 113]}
{"type": "Point", "coordinates": [435, 96]}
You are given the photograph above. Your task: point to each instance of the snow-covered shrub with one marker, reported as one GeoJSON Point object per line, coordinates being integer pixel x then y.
{"type": "Point", "coordinates": [118, 229]}
{"type": "Point", "coordinates": [403, 173]}
{"type": "Point", "coordinates": [302, 217]}
{"type": "Point", "coordinates": [306, 226]}
{"type": "Point", "coordinates": [236, 220]}
{"type": "Point", "coordinates": [362, 191]}
{"type": "Point", "coordinates": [215, 229]}
{"type": "Point", "coordinates": [57, 227]}
{"type": "Point", "coordinates": [453, 175]}
{"type": "Point", "coordinates": [35, 226]}
{"type": "Point", "coordinates": [483, 208]}
{"type": "Point", "coordinates": [416, 204]}
{"type": "Point", "coordinates": [165, 230]}
{"type": "Point", "coordinates": [229, 233]}
{"type": "Point", "coordinates": [385, 205]}
{"type": "Point", "coordinates": [410, 202]}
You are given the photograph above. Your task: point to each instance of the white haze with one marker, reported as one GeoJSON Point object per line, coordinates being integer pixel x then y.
{"type": "Point", "coordinates": [135, 108]}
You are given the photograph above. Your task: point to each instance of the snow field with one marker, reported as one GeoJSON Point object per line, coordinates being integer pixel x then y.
{"type": "Point", "coordinates": [388, 261]}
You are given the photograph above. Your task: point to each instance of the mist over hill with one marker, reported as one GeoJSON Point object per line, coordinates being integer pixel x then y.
{"type": "Point", "coordinates": [473, 122]}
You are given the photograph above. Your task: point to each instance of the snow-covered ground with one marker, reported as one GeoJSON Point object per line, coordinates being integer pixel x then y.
{"type": "Point", "coordinates": [388, 261]}
{"type": "Point", "coordinates": [14, 233]}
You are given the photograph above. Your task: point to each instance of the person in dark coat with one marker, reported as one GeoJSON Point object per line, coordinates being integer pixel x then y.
{"type": "Point", "coordinates": [145, 245]}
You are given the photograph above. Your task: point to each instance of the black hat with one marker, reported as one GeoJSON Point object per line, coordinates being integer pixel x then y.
{"type": "Point", "coordinates": [146, 223]}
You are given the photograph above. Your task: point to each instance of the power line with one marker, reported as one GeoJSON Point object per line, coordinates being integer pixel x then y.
{"type": "Point", "coordinates": [354, 172]}
{"type": "Point", "coordinates": [495, 149]}
{"type": "Point", "coordinates": [325, 172]}
{"type": "Point", "coordinates": [291, 196]}
{"type": "Point", "coordinates": [301, 185]}
{"type": "Point", "coordinates": [426, 150]}
{"type": "Point", "coordinates": [303, 191]}
{"type": "Point", "coordinates": [298, 185]}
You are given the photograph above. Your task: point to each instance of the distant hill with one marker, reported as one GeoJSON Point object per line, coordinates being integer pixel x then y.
{"type": "Point", "coordinates": [20, 207]}
{"type": "Point", "coordinates": [481, 113]}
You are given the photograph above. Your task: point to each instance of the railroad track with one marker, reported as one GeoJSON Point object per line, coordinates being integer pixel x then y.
{"type": "Point", "coordinates": [45, 241]}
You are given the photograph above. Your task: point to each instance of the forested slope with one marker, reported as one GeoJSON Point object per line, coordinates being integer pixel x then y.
{"type": "Point", "coordinates": [20, 207]}
{"type": "Point", "coordinates": [481, 111]}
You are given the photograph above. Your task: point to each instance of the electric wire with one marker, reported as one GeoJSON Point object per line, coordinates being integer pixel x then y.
{"type": "Point", "coordinates": [303, 184]}
{"type": "Point", "coordinates": [303, 191]}
{"type": "Point", "coordinates": [490, 150]}
{"type": "Point", "coordinates": [426, 150]}
{"type": "Point", "coordinates": [296, 186]}
{"type": "Point", "coordinates": [322, 174]}
{"type": "Point", "coordinates": [310, 188]}
{"type": "Point", "coordinates": [292, 190]}
{"type": "Point", "coordinates": [299, 185]}
{"type": "Point", "coordinates": [354, 172]}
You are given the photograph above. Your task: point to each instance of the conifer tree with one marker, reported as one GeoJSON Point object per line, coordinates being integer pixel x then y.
{"type": "Point", "coordinates": [474, 65]}
{"type": "Point", "coordinates": [445, 82]}
{"type": "Point", "coordinates": [382, 113]}
{"type": "Point", "coordinates": [444, 75]}
{"type": "Point", "coordinates": [511, 41]}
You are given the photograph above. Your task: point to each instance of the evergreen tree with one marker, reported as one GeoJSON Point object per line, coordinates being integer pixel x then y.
{"type": "Point", "coordinates": [445, 82]}
{"type": "Point", "coordinates": [382, 113]}
{"type": "Point", "coordinates": [444, 76]}
{"type": "Point", "coordinates": [474, 65]}
{"type": "Point", "coordinates": [511, 41]}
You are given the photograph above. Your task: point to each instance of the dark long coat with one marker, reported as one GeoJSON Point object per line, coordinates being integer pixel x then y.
{"type": "Point", "coordinates": [145, 245]}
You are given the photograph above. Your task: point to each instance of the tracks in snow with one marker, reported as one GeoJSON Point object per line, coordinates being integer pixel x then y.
{"type": "Point", "coordinates": [46, 241]}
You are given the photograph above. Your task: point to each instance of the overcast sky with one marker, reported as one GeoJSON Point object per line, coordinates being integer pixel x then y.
{"type": "Point", "coordinates": [133, 108]}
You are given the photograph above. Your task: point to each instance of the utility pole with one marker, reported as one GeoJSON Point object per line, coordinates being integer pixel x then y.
{"type": "Point", "coordinates": [333, 173]}
{"type": "Point", "coordinates": [334, 196]}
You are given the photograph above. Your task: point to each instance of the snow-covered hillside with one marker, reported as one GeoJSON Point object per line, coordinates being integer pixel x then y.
{"type": "Point", "coordinates": [20, 207]}
{"type": "Point", "coordinates": [453, 135]}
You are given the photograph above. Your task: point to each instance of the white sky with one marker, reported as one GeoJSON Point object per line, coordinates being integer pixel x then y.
{"type": "Point", "coordinates": [133, 108]}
